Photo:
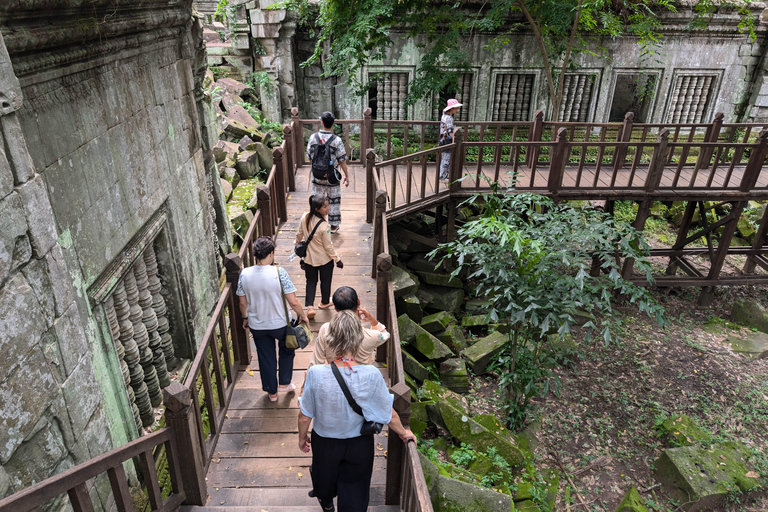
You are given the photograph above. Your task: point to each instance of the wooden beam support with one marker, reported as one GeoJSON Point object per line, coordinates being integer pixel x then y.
{"type": "Point", "coordinates": [722, 250]}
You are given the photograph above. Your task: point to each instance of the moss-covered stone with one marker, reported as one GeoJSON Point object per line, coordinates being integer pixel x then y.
{"type": "Point", "coordinates": [409, 305]}
{"type": "Point", "coordinates": [419, 417]}
{"type": "Point", "coordinates": [684, 431]}
{"type": "Point", "coordinates": [751, 314]}
{"type": "Point", "coordinates": [431, 391]}
{"type": "Point", "coordinates": [453, 375]}
{"type": "Point", "coordinates": [436, 279]}
{"type": "Point", "coordinates": [493, 424]}
{"type": "Point", "coordinates": [437, 321]}
{"type": "Point", "coordinates": [526, 506]}
{"type": "Point", "coordinates": [474, 321]}
{"type": "Point", "coordinates": [414, 368]}
{"type": "Point", "coordinates": [632, 502]}
{"type": "Point", "coordinates": [753, 344]}
{"type": "Point", "coordinates": [502, 328]}
{"type": "Point", "coordinates": [403, 282]}
{"type": "Point", "coordinates": [526, 489]}
{"type": "Point", "coordinates": [484, 351]}
{"type": "Point", "coordinates": [745, 228]}
{"type": "Point", "coordinates": [469, 431]}
{"type": "Point", "coordinates": [439, 298]}
{"type": "Point", "coordinates": [453, 336]}
{"type": "Point", "coordinates": [476, 306]}
{"type": "Point", "coordinates": [419, 263]}
{"type": "Point", "coordinates": [427, 345]}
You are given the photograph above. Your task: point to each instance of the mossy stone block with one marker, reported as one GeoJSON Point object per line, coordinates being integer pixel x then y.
{"type": "Point", "coordinates": [433, 392]}
{"type": "Point", "coordinates": [453, 375]}
{"type": "Point", "coordinates": [419, 417]}
{"type": "Point", "coordinates": [468, 431]}
{"type": "Point", "coordinates": [474, 321]}
{"type": "Point", "coordinates": [754, 344]}
{"type": "Point", "coordinates": [403, 282]}
{"type": "Point", "coordinates": [427, 345]}
{"type": "Point", "coordinates": [419, 263]}
{"type": "Point", "coordinates": [476, 306]}
{"type": "Point", "coordinates": [484, 351]}
{"type": "Point", "coordinates": [414, 368]}
{"type": "Point", "coordinates": [440, 298]}
{"type": "Point", "coordinates": [437, 321]}
{"type": "Point", "coordinates": [632, 502]}
{"type": "Point", "coordinates": [502, 328]}
{"type": "Point", "coordinates": [527, 506]}
{"type": "Point", "coordinates": [526, 489]}
{"type": "Point", "coordinates": [493, 424]}
{"type": "Point", "coordinates": [453, 336]}
{"type": "Point", "coordinates": [409, 304]}
{"type": "Point", "coordinates": [684, 431]}
{"type": "Point", "coordinates": [745, 228]}
{"type": "Point", "coordinates": [750, 313]}
{"type": "Point", "coordinates": [436, 279]}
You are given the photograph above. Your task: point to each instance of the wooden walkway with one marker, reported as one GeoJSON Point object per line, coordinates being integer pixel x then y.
{"type": "Point", "coordinates": [257, 465]}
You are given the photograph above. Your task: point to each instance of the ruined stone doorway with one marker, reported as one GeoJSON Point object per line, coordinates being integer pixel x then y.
{"type": "Point", "coordinates": [634, 92]}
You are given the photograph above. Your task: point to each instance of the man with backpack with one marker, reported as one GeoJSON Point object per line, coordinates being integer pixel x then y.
{"type": "Point", "coordinates": [326, 153]}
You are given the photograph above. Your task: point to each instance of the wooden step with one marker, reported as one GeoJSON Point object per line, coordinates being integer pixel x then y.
{"type": "Point", "coordinates": [275, 496]}
{"type": "Point", "coordinates": [278, 508]}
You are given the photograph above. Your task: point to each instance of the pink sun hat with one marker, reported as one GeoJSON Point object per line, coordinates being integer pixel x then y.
{"type": "Point", "coordinates": [452, 103]}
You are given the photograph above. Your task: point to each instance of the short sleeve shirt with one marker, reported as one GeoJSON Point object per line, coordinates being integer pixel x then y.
{"type": "Point", "coordinates": [446, 125]}
{"type": "Point", "coordinates": [260, 284]}
{"type": "Point", "coordinates": [324, 401]}
{"type": "Point", "coordinates": [338, 151]}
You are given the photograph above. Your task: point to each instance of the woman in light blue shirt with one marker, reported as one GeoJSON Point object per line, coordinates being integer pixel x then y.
{"type": "Point", "coordinates": [342, 459]}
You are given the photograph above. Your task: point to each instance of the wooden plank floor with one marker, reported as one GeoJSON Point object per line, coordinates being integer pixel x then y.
{"type": "Point", "coordinates": [257, 461]}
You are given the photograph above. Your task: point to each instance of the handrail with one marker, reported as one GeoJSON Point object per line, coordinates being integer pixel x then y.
{"type": "Point", "coordinates": [73, 481]}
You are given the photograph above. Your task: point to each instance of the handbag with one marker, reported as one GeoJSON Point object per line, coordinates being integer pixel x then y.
{"type": "Point", "coordinates": [369, 427]}
{"type": "Point", "coordinates": [296, 335]}
{"type": "Point", "coordinates": [301, 247]}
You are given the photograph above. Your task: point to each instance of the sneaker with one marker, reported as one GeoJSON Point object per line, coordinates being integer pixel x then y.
{"type": "Point", "coordinates": [334, 229]}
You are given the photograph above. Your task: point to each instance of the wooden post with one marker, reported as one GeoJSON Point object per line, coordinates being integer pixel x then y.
{"type": "Point", "coordinates": [656, 167]}
{"type": "Point", "coordinates": [534, 136]}
{"type": "Point", "coordinates": [690, 209]}
{"type": "Point", "coordinates": [180, 416]}
{"type": "Point", "coordinates": [383, 277]}
{"type": "Point", "coordinates": [722, 251]}
{"type": "Point", "coordinates": [378, 226]}
{"type": "Point", "coordinates": [713, 132]}
{"type": "Point", "coordinates": [232, 265]}
{"type": "Point", "coordinates": [395, 446]}
{"type": "Point", "coordinates": [762, 230]}
{"type": "Point", "coordinates": [265, 208]}
{"type": "Point", "coordinates": [457, 160]}
{"type": "Point", "coordinates": [642, 215]}
{"type": "Point", "coordinates": [290, 157]}
{"type": "Point", "coordinates": [298, 137]}
{"type": "Point", "coordinates": [370, 191]}
{"type": "Point", "coordinates": [755, 163]}
{"type": "Point", "coordinates": [557, 163]}
{"type": "Point", "coordinates": [282, 206]}
{"type": "Point", "coordinates": [624, 135]}
{"type": "Point", "coordinates": [366, 133]}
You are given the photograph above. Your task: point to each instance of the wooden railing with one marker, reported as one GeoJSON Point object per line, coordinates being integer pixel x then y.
{"type": "Point", "coordinates": [74, 481]}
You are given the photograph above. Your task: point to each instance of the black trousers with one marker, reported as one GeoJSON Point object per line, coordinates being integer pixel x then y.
{"type": "Point", "coordinates": [326, 276]}
{"type": "Point", "coordinates": [343, 468]}
{"type": "Point", "coordinates": [268, 358]}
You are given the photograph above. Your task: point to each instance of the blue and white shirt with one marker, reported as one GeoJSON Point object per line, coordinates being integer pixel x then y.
{"type": "Point", "coordinates": [260, 284]}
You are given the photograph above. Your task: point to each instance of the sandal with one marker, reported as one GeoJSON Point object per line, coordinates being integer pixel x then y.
{"type": "Point", "coordinates": [311, 313]}
{"type": "Point", "coordinates": [273, 398]}
{"type": "Point", "coordinates": [287, 388]}
{"type": "Point", "coordinates": [325, 306]}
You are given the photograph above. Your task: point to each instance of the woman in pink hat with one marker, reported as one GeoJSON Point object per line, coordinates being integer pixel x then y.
{"type": "Point", "coordinates": [446, 135]}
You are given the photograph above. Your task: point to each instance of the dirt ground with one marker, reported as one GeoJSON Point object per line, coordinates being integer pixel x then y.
{"type": "Point", "coordinates": [601, 426]}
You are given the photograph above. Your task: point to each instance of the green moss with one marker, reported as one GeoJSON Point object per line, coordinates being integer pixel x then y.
{"type": "Point", "coordinates": [684, 432]}
{"type": "Point", "coordinates": [474, 321]}
{"type": "Point", "coordinates": [632, 502]}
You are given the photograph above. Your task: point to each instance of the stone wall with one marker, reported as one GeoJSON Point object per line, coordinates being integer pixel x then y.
{"type": "Point", "coordinates": [102, 154]}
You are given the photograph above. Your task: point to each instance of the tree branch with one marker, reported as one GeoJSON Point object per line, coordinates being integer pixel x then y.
{"type": "Point", "coordinates": [542, 47]}
{"type": "Point", "coordinates": [574, 30]}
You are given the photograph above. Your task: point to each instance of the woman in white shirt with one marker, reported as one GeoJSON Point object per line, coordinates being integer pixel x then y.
{"type": "Point", "coordinates": [342, 458]}
{"type": "Point", "coordinates": [263, 290]}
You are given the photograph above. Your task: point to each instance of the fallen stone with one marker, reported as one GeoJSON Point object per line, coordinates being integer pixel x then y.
{"type": "Point", "coordinates": [530, 435]}
{"type": "Point", "coordinates": [632, 502]}
{"type": "Point", "coordinates": [226, 189]}
{"type": "Point", "coordinates": [236, 130]}
{"type": "Point", "coordinates": [438, 298]}
{"type": "Point", "coordinates": [211, 36]}
{"type": "Point", "coordinates": [229, 101]}
{"type": "Point", "coordinates": [437, 321]}
{"type": "Point", "coordinates": [419, 263]}
{"type": "Point", "coordinates": [427, 345]}
{"type": "Point", "coordinates": [476, 306]}
{"type": "Point", "coordinates": [409, 305]}
{"type": "Point", "coordinates": [265, 155]}
{"type": "Point", "coordinates": [436, 279]}
{"type": "Point", "coordinates": [754, 344]}
{"type": "Point", "coordinates": [454, 337]}
{"type": "Point", "coordinates": [484, 351]}
{"type": "Point", "coordinates": [451, 495]}
{"type": "Point", "coordinates": [527, 491]}
{"type": "Point", "coordinates": [245, 193]}
{"type": "Point", "coordinates": [396, 246]}
{"type": "Point", "coordinates": [739, 242]}
{"type": "Point", "coordinates": [230, 174]}
{"type": "Point", "coordinates": [414, 368]}
{"type": "Point", "coordinates": [240, 218]}
{"type": "Point", "coordinates": [239, 114]}
{"type": "Point", "coordinates": [419, 417]}
{"type": "Point", "coordinates": [224, 150]}
{"type": "Point", "coordinates": [247, 164]}
{"type": "Point", "coordinates": [468, 431]}
{"type": "Point", "coordinates": [493, 424]}
{"type": "Point", "coordinates": [703, 477]}
{"type": "Point", "coordinates": [474, 321]}
{"type": "Point", "coordinates": [244, 142]}
{"type": "Point", "coordinates": [684, 431]}
{"type": "Point", "coordinates": [403, 282]}
{"type": "Point", "coordinates": [431, 391]}
{"type": "Point", "coordinates": [751, 314]}
{"type": "Point", "coordinates": [453, 375]}
{"type": "Point", "coordinates": [745, 228]}
{"type": "Point", "coordinates": [234, 87]}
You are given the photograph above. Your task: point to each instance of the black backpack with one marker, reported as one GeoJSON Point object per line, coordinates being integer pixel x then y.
{"type": "Point", "coordinates": [322, 168]}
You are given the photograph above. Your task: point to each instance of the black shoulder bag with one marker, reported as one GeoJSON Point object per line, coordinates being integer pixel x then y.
{"type": "Point", "coordinates": [369, 427]}
{"type": "Point", "coordinates": [301, 247]}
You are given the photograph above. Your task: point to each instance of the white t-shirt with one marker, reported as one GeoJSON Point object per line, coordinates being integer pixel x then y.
{"type": "Point", "coordinates": [261, 286]}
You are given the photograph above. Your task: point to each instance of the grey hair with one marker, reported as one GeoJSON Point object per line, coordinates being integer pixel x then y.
{"type": "Point", "coordinates": [345, 333]}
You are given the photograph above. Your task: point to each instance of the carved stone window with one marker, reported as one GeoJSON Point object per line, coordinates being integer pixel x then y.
{"type": "Point", "coordinates": [387, 96]}
{"type": "Point", "coordinates": [131, 292]}
{"type": "Point", "coordinates": [691, 97]}
{"type": "Point", "coordinates": [578, 89]}
{"type": "Point", "coordinates": [512, 95]}
{"type": "Point", "coordinates": [633, 92]}
{"type": "Point", "coordinates": [464, 95]}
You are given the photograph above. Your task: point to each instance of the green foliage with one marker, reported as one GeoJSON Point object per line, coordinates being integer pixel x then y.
{"type": "Point", "coordinates": [262, 81]}
{"type": "Point", "coordinates": [224, 13]}
{"type": "Point", "coordinates": [532, 258]}
{"type": "Point", "coordinates": [463, 456]}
